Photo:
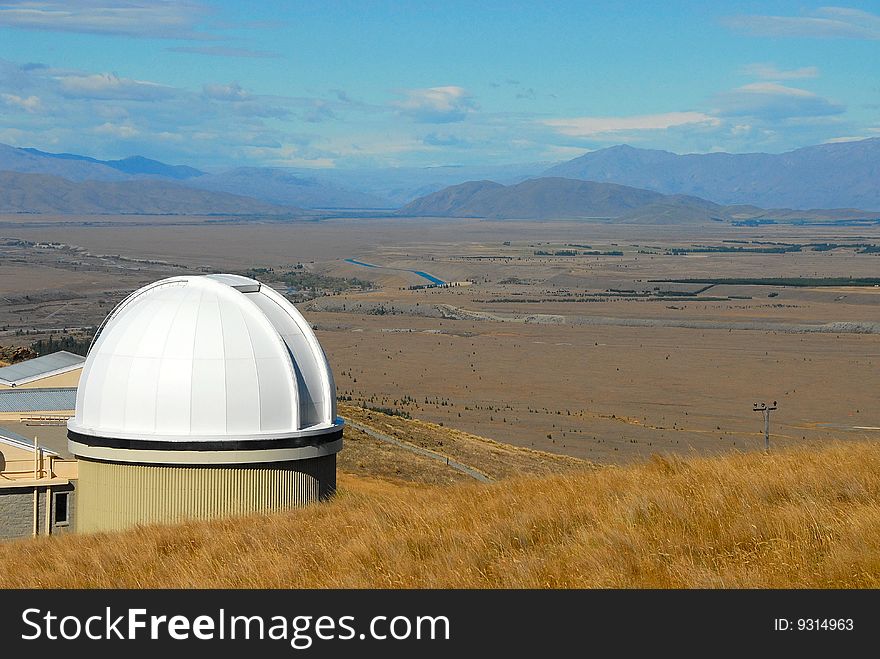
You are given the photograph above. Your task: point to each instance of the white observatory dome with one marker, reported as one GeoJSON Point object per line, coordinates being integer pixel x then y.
{"type": "Point", "coordinates": [213, 363]}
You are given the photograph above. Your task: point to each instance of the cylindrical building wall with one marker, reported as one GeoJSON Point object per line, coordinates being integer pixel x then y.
{"type": "Point", "coordinates": [116, 496]}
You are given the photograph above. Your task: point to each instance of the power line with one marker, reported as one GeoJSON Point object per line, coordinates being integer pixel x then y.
{"type": "Point", "coordinates": [765, 409]}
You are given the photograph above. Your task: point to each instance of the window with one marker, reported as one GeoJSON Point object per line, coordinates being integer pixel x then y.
{"type": "Point", "coordinates": [61, 518]}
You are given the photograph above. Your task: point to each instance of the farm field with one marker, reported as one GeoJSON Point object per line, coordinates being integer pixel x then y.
{"type": "Point", "coordinates": [568, 337]}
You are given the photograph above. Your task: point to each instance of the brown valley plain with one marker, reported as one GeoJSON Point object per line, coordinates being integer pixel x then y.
{"type": "Point", "coordinates": [562, 336]}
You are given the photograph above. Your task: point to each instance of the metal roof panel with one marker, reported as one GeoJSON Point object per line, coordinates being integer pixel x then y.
{"type": "Point", "coordinates": [32, 369]}
{"type": "Point", "coordinates": [38, 400]}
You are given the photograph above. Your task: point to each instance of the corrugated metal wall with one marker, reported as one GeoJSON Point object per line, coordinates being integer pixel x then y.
{"type": "Point", "coordinates": [115, 496]}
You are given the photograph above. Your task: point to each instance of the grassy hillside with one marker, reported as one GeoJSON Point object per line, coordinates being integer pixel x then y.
{"type": "Point", "coordinates": [367, 457]}
{"type": "Point", "coordinates": [803, 518]}
{"type": "Point", "coordinates": [494, 459]}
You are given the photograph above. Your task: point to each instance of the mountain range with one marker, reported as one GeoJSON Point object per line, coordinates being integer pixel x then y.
{"type": "Point", "coordinates": [133, 165]}
{"type": "Point", "coordinates": [271, 186]}
{"type": "Point", "coordinates": [563, 198]}
{"type": "Point", "coordinates": [841, 175]}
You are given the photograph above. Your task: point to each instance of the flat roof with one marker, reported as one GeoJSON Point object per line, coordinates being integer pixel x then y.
{"type": "Point", "coordinates": [40, 367]}
{"type": "Point", "coordinates": [52, 438]}
{"type": "Point", "coordinates": [7, 436]}
{"type": "Point", "coordinates": [38, 400]}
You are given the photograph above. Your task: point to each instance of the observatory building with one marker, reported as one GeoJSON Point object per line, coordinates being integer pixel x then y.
{"type": "Point", "coordinates": [202, 397]}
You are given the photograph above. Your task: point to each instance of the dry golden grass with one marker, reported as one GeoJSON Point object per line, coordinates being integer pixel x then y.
{"type": "Point", "coordinates": [798, 518]}
{"type": "Point", "coordinates": [369, 457]}
{"type": "Point", "coordinates": [365, 456]}
{"type": "Point", "coordinates": [495, 459]}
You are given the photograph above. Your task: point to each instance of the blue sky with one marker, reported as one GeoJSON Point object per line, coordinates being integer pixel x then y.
{"type": "Point", "coordinates": [366, 84]}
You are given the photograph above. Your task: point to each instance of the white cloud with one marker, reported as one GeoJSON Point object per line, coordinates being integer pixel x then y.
{"type": "Point", "coordinates": [772, 101]}
{"type": "Point", "coordinates": [436, 104]}
{"type": "Point", "coordinates": [824, 23]}
{"type": "Point", "coordinates": [107, 86]}
{"type": "Point", "coordinates": [30, 104]}
{"type": "Point", "coordinates": [242, 102]}
{"type": "Point", "coordinates": [604, 126]}
{"type": "Point", "coordinates": [168, 19]}
{"type": "Point", "coordinates": [775, 89]}
{"type": "Point", "coordinates": [564, 152]}
{"type": "Point", "coordinates": [741, 129]}
{"type": "Point", "coordinates": [230, 92]}
{"type": "Point", "coordinates": [850, 138]}
{"type": "Point", "coordinates": [123, 131]}
{"type": "Point", "coordinates": [167, 136]}
{"type": "Point", "coordinates": [15, 137]}
{"type": "Point", "coordinates": [770, 72]}
{"type": "Point", "coordinates": [109, 115]}
{"type": "Point", "coordinates": [288, 156]}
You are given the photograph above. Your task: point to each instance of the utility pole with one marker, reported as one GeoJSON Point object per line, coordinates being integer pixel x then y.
{"type": "Point", "coordinates": [765, 409]}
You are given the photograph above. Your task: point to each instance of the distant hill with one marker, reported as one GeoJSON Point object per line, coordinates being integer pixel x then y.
{"type": "Point", "coordinates": [134, 165]}
{"type": "Point", "coordinates": [842, 175]}
{"type": "Point", "coordinates": [281, 186]}
{"type": "Point", "coordinates": [473, 197]}
{"type": "Point", "coordinates": [548, 198]}
{"type": "Point", "coordinates": [42, 193]}
{"type": "Point", "coordinates": [29, 161]}
{"type": "Point", "coordinates": [140, 165]}
{"type": "Point", "coordinates": [552, 197]}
